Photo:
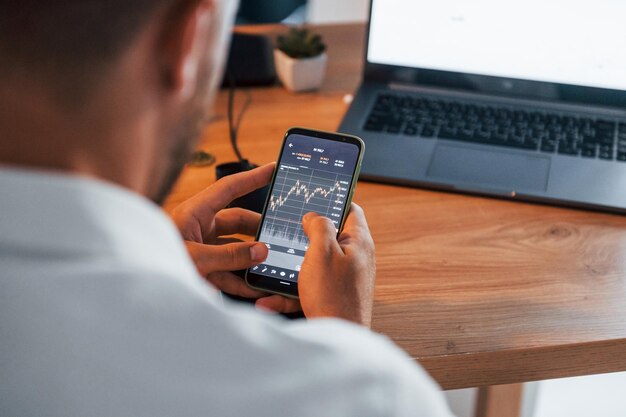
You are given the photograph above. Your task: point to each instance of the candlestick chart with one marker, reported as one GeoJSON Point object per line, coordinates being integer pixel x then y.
{"type": "Point", "coordinates": [296, 191]}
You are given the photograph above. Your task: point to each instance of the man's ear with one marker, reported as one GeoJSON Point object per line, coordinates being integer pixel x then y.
{"type": "Point", "coordinates": [183, 36]}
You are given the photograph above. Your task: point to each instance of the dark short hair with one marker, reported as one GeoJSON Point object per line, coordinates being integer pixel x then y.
{"type": "Point", "coordinates": [68, 41]}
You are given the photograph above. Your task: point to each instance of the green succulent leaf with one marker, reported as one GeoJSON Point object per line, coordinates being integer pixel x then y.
{"type": "Point", "coordinates": [301, 43]}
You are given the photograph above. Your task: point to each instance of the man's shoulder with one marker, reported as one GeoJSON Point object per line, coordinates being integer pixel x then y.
{"type": "Point", "coordinates": [146, 332]}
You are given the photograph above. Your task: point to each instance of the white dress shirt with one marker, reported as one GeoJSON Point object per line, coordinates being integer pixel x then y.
{"type": "Point", "coordinates": [102, 313]}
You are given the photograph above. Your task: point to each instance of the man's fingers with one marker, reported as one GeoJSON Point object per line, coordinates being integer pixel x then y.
{"type": "Point", "coordinates": [233, 285]}
{"type": "Point", "coordinates": [226, 240]}
{"type": "Point", "coordinates": [224, 191]}
{"type": "Point", "coordinates": [356, 235]}
{"type": "Point", "coordinates": [229, 257]}
{"type": "Point", "coordinates": [319, 229]}
{"type": "Point", "coordinates": [322, 235]}
{"type": "Point", "coordinates": [278, 304]}
{"type": "Point", "coordinates": [356, 224]}
{"type": "Point", "coordinates": [236, 220]}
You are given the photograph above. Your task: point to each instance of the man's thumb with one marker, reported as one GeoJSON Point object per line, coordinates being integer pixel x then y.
{"type": "Point", "coordinates": [319, 229]}
{"type": "Point", "coordinates": [228, 257]}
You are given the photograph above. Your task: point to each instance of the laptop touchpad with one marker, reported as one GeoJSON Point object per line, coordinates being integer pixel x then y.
{"type": "Point", "coordinates": [489, 168]}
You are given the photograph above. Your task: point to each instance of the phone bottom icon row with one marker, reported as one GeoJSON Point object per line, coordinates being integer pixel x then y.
{"type": "Point", "coordinates": [274, 271]}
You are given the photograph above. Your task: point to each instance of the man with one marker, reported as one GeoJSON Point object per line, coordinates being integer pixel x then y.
{"type": "Point", "coordinates": [102, 311]}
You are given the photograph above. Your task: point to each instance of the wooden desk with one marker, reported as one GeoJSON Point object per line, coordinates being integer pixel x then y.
{"type": "Point", "coordinates": [480, 291]}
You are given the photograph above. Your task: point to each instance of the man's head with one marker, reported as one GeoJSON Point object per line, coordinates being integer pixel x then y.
{"type": "Point", "coordinates": [116, 89]}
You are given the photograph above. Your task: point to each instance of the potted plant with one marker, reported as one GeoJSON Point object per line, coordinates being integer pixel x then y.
{"type": "Point", "coordinates": [300, 58]}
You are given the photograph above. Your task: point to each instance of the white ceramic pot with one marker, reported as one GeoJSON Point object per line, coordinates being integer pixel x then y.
{"type": "Point", "coordinates": [300, 74]}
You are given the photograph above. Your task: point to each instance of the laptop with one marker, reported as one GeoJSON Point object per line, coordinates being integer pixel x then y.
{"type": "Point", "coordinates": [515, 99]}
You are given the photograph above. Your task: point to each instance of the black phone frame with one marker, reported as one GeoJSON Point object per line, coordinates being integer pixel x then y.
{"type": "Point", "coordinates": [273, 285]}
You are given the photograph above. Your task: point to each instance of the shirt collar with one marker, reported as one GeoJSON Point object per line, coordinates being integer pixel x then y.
{"type": "Point", "coordinates": [59, 214]}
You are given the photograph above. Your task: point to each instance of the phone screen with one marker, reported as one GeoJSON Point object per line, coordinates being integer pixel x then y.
{"type": "Point", "coordinates": [312, 174]}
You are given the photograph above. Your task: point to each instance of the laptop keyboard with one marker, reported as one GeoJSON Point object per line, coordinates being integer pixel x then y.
{"type": "Point", "coordinates": [502, 126]}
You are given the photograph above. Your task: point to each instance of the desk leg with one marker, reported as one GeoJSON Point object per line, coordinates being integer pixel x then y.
{"type": "Point", "coordinates": [499, 401]}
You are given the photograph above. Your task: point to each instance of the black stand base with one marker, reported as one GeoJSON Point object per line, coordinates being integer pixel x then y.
{"type": "Point", "coordinates": [253, 201]}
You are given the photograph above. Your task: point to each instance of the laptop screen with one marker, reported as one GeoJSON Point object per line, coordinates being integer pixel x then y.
{"type": "Point", "coordinates": [559, 41]}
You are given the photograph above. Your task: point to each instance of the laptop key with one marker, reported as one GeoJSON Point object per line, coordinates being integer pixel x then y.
{"type": "Point", "coordinates": [428, 132]}
{"type": "Point", "coordinates": [605, 152]}
{"type": "Point", "coordinates": [588, 151]}
{"type": "Point", "coordinates": [567, 149]}
{"type": "Point", "coordinates": [605, 125]}
{"type": "Point", "coordinates": [527, 145]}
{"type": "Point", "coordinates": [500, 136]}
{"type": "Point", "coordinates": [532, 143]}
{"type": "Point", "coordinates": [411, 130]}
{"type": "Point", "coordinates": [448, 133]}
{"type": "Point", "coordinates": [393, 128]}
{"type": "Point", "coordinates": [466, 134]}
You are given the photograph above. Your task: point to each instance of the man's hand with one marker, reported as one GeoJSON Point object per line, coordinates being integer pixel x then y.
{"type": "Point", "coordinates": [337, 275]}
{"type": "Point", "coordinates": [203, 221]}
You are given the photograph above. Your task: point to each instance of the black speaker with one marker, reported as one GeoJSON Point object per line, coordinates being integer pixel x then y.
{"type": "Point", "coordinates": [250, 62]}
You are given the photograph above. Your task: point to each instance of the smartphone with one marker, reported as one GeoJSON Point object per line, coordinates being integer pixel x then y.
{"type": "Point", "coordinates": [316, 171]}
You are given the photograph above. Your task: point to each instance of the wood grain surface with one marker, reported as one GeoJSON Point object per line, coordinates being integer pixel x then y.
{"type": "Point", "coordinates": [481, 291]}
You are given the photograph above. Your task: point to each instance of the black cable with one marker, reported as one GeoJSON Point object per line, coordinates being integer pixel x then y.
{"type": "Point", "coordinates": [235, 122]}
